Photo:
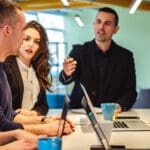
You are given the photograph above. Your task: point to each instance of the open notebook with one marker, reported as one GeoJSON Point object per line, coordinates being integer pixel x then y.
{"type": "Point", "coordinates": [126, 121]}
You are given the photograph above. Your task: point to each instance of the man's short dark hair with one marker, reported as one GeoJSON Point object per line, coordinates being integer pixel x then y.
{"type": "Point", "coordinates": [8, 12]}
{"type": "Point", "coordinates": [110, 10]}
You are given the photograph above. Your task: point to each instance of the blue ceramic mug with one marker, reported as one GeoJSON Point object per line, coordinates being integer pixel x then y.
{"type": "Point", "coordinates": [108, 110]}
{"type": "Point", "coordinates": [50, 143]}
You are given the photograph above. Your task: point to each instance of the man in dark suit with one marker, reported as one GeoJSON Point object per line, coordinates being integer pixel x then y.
{"type": "Point", "coordinates": [106, 69]}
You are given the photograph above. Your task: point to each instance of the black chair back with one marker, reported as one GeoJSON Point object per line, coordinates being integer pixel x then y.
{"type": "Point", "coordinates": [143, 99]}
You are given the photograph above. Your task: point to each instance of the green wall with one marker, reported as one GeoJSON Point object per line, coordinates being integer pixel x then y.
{"type": "Point", "coordinates": [134, 34]}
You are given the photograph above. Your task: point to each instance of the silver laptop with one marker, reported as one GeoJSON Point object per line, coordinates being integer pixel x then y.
{"type": "Point", "coordinates": [104, 143]}
{"type": "Point", "coordinates": [126, 121]}
{"type": "Point", "coordinates": [130, 125]}
{"type": "Point", "coordinates": [98, 130]}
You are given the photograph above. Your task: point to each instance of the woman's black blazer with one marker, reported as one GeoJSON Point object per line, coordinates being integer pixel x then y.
{"type": "Point", "coordinates": [16, 85]}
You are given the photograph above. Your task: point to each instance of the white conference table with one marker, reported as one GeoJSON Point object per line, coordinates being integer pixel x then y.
{"type": "Point", "coordinates": [131, 139]}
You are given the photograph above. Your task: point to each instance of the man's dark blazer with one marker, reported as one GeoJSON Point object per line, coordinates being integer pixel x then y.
{"type": "Point", "coordinates": [120, 81]}
{"type": "Point", "coordinates": [16, 85]}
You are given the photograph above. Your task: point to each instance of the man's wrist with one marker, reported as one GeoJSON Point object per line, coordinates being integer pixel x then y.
{"type": "Point", "coordinates": [65, 77]}
{"type": "Point", "coordinates": [42, 121]}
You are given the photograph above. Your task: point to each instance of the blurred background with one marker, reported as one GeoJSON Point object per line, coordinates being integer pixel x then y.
{"type": "Point", "coordinates": [58, 18]}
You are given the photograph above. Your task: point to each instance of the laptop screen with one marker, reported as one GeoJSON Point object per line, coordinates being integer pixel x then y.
{"type": "Point", "coordinates": [63, 116]}
{"type": "Point", "coordinates": [89, 109]}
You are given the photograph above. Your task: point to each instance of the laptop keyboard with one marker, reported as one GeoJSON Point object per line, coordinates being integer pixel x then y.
{"type": "Point", "coordinates": [119, 124]}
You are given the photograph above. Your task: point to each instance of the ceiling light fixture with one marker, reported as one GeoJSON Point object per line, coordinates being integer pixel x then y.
{"type": "Point", "coordinates": [135, 6]}
{"type": "Point", "coordinates": [65, 2]}
{"type": "Point", "coordinates": [79, 21]}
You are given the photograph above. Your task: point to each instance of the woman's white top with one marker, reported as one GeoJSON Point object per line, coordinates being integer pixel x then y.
{"type": "Point", "coordinates": [31, 85]}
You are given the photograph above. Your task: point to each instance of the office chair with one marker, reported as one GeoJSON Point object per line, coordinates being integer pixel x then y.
{"type": "Point", "coordinates": [143, 99]}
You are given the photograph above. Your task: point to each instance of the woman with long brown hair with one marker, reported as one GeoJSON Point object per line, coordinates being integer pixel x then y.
{"type": "Point", "coordinates": [28, 72]}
